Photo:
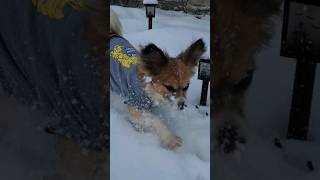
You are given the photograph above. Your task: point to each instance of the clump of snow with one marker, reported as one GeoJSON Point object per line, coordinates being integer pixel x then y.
{"type": "Point", "coordinates": [147, 79]}
{"type": "Point", "coordinates": [138, 154]}
{"type": "Point", "coordinates": [172, 98]}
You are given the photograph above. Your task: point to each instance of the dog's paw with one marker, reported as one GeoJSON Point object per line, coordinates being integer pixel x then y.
{"type": "Point", "coordinates": [229, 140]}
{"type": "Point", "coordinates": [171, 141]}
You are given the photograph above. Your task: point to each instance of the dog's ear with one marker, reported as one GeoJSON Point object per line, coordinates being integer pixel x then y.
{"type": "Point", "coordinates": [193, 53]}
{"type": "Point", "coordinates": [153, 59]}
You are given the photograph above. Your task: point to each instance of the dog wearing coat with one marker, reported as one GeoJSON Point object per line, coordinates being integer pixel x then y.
{"type": "Point", "coordinates": [150, 77]}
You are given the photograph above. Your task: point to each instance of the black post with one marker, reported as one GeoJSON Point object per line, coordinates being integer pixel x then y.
{"type": "Point", "coordinates": [301, 99]}
{"type": "Point", "coordinates": [204, 93]}
{"type": "Point", "coordinates": [150, 23]}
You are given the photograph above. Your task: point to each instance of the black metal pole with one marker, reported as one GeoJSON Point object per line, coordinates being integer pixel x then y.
{"type": "Point", "coordinates": [150, 23]}
{"type": "Point", "coordinates": [301, 99]}
{"type": "Point", "coordinates": [204, 93]}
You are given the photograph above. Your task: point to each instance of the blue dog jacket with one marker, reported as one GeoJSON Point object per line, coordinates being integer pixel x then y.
{"type": "Point", "coordinates": [123, 76]}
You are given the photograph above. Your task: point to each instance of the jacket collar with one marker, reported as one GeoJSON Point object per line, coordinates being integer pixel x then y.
{"type": "Point", "coordinates": [111, 35]}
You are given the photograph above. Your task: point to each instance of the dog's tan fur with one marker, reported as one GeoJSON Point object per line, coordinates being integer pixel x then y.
{"type": "Point", "coordinates": [165, 80]}
{"type": "Point", "coordinates": [243, 27]}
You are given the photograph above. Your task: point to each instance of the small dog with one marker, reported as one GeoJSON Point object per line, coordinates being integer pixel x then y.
{"type": "Point", "coordinates": [243, 27]}
{"type": "Point", "coordinates": [150, 78]}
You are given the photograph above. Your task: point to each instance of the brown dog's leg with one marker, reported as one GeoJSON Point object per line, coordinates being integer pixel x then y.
{"type": "Point", "coordinates": [74, 165]}
{"type": "Point", "coordinates": [149, 122]}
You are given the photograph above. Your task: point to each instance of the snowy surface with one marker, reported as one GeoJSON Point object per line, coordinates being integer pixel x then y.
{"type": "Point", "coordinates": [267, 110]}
{"type": "Point", "coordinates": [150, 1]}
{"type": "Point", "coordinates": [136, 155]}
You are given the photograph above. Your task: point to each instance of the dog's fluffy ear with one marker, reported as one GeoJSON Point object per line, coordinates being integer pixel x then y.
{"type": "Point", "coordinates": [153, 59]}
{"type": "Point", "coordinates": [193, 53]}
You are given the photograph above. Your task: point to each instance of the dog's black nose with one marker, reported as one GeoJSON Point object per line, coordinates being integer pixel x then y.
{"type": "Point", "coordinates": [181, 105]}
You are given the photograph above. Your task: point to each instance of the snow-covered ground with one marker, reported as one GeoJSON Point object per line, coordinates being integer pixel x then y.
{"type": "Point", "coordinates": [136, 155]}
{"type": "Point", "coordinates": [267, 111]}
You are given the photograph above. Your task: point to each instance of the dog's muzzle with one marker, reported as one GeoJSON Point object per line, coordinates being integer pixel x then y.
{"type": "Point", "coordinates": [181, 105]}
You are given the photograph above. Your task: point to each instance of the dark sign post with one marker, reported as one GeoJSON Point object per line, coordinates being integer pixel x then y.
{"type": "Point", "coordinates": [204, 75]}
{"type": "Point", "coordinates": [150, 11]}
{"type": "Point", "coordinates": [301, 40]}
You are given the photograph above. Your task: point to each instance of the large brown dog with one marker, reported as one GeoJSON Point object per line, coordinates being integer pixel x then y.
{"type": "Point", "coordinates": [242, 27]}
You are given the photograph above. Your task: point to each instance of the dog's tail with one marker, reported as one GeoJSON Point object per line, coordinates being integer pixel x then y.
{"type": "Point", "coordinates": [115, 25]}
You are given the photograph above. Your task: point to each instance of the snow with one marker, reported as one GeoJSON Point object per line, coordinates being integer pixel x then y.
{"type": "Point", "coordinates": [150, 1]}
{"type": "Point", "coordinates": [147, 79]}
{"type": "Point", "coordinates": [172, 31]}
{"type": "Point", "coordinates": [135, 155]}
{"type": "Point", "coordinates": [267, 110]}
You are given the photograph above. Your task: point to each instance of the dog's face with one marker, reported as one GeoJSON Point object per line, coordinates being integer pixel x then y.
{"type": "Point", "coordinates": [244, 27]}
{"type": "Point", "coordinates": [232, 77]}
{"type": "Point", "coordinates": [231, 83]}
{"type": "Point", "coordinates": [167, 79]}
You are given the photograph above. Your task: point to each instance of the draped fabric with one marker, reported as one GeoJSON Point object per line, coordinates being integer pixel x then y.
{"type": "Point", "coordinates": [58, 67]}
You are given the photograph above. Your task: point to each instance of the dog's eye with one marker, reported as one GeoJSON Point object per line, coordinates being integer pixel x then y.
{"type": "Point", "coordinates": [186, 88]}
{"type": "Point", "coordinates": [170, 88]}
{"type": "Point", "coordinates": [245, 81]}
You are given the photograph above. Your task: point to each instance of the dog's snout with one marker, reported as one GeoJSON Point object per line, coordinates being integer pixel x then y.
{"type": "Point", "coordinates": [181, 105]}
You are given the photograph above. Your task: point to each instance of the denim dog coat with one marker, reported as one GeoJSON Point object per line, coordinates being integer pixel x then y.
{"type": "Point", "coordinates": [123, 73]}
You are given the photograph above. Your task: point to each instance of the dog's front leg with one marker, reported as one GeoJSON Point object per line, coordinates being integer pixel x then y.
{"type": "Point", "coordinates": [150, 122]}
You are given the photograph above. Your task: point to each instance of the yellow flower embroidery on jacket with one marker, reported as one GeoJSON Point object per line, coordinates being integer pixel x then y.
{"type": "Point", "coordinates": [124, 59]}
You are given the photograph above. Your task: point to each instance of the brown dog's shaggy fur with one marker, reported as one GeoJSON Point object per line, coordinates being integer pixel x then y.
{"type": "Point", "coordinates": [169, 82]}
{"type": "Point", "coordinates": [170, 76]}
{"type": "Point", "coordinates": [242, 27]}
